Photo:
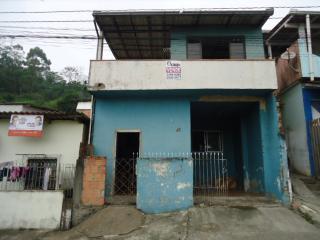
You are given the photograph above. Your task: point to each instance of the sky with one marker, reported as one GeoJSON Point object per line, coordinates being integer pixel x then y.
{"type": "Point", "coordinates": [76, 52]}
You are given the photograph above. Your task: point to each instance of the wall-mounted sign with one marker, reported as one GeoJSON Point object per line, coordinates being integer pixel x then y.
{"type": "Point", "coordinates": [26, 125]}
{"type": "Point", "coordinates": [173, 70]}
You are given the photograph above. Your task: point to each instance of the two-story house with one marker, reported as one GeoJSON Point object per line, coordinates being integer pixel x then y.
{"type": "Point", "coordinates": [188, 82]}
{"type": "Point", "coordinates": [295, 43]}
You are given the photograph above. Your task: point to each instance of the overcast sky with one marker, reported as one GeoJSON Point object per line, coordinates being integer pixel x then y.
{"type": "Point", "coordinates": [63, 52]}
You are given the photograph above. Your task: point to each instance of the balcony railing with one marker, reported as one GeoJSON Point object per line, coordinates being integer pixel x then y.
{"type": "Point", "coordinates": [188, 74]}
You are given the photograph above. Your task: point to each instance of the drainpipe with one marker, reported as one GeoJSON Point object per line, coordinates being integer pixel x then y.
{"type": "Point", "coordinates": [99, 54]}
{"type": "Point", "coordinates": [91, 119]}
{"type": "Point", "coordinates": [309, 47]}
{"type": "Point", "coordinates": [269, 51]}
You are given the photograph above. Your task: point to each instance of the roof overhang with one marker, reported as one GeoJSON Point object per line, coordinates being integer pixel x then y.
{"type": "Point", "coordinates": [50, 115]}
{"type": "Point", "coordinates": [286, 31]}
{"type": "Point", "coordinates": [145, 34]}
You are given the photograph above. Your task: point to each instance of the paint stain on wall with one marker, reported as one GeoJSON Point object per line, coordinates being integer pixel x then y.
{"type": "Point", "coordinates": [160, 169]}
{"type": "Point", "coordinates": [183, 185]}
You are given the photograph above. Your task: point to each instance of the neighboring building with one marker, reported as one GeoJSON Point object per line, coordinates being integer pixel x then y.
{"type": "Point", "coordinates": [85, 108]}
{"type": "Point", "coordinates": [189, 84]}
{"type": "Point", "coordinates": [39, 149]}
{"type": "Point", "coordinates": [17, 107]}
{"type": "Point", "coordinates": [295, 43]}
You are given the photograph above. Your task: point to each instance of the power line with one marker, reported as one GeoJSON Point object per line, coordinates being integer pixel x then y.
{"type": "Point", "coordinates": [43, 21]}
{"type": "Point", "coordinates": [90, 10]}
{"type": "Point", "coordinates": [50, 28]}
{"type": "Point", "coordinates": [48, 36]}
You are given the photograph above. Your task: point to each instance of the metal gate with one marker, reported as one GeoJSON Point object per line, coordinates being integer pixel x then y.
{"type": "Point", "coordinates": [315, 136]}
{"type": "Point", "coordinates": [210, 175]}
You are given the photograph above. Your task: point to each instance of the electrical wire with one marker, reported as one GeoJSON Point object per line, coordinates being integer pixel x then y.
{"type": "Point", "coordinates": [218, 8]}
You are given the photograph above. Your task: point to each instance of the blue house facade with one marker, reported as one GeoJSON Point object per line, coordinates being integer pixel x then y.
{"type": "Point", "coordinates": [187, 108]}
{"type": "Point", "coordinates": [295, 44]}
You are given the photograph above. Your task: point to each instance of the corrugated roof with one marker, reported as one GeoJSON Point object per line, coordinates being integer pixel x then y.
{"type": "Point", "coordinates": [284, 36]}
{"type": "Point", "coordinates": [145, 34]}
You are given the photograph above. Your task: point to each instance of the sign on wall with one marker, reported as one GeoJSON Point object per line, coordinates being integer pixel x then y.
{"type": "Point", "coordinates": [173, 70]}
{"type": "Point", "coordinates": [26, 125]}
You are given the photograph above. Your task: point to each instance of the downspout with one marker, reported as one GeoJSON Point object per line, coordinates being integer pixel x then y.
{"type": "Point", "coordinates": [99, 56]}
{"type": "Point", "coordinates": [269, 51]}
{"type": "Point", "coordinates": [311, 72]}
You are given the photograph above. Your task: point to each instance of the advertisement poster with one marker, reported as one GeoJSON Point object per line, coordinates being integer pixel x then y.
{"type": "Point", "coordinates": [173, 70]}
{"type": "Point", "coordinates": [26, 125]}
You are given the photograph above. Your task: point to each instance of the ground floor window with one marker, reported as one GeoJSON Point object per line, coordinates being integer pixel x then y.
{"type": "Point", "coordinates": [41, 174]}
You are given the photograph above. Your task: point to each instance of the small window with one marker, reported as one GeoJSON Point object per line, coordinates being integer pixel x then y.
{"type": "Point", "coordinates": [194, 50]}
{"type": "Point", "coordinates": [216, 48]}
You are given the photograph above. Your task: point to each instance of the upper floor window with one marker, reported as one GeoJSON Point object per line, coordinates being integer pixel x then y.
{"type": "Point", "coordinates": [216, 48]}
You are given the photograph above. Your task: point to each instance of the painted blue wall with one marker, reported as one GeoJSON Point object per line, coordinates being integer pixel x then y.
{"type": "Point", "coordinates": [274, 152]}
{"type": "Point", "coordinates": [304, 56]}
{"type": "Point", "coordinates": [252, 148]}
{"type": "Point", "coordinates": [309, 95]}
{"type": "Point", "coordinates": [164, 185]}
{"type": "Point", "coordinates": [164, 124]}
{"type": "Point", "coordinates": [253, 39]}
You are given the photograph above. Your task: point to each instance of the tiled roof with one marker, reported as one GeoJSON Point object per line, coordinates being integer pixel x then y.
{"type": "Point", "coordinates": [50, 115]}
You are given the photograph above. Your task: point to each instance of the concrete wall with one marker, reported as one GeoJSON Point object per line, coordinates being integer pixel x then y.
{"type": "Point", "coordinates": [61, 139]}
{"type": "Point", "coordinates": [253, 40]}
{"type": "Point", "coordinates": [30, 209]}
{"type": "Point", "coordinates": [252, 148]}
{"type": "Point", "coordinates": [274, 152]}
{"type": "Point", "coordinates": [295, 129]}
{"type": "Point", "coordinates": [164, 185]}
{"type": "Point", "coordinates": [205, 74]}
{"type": "Point", "coordinates": [310, 95]}
{"type": "Point", "coordinates": [164, 126]}
{"type": "Point", "coordinates": [304, 56]}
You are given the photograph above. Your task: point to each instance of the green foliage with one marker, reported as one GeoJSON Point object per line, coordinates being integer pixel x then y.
{"type": "Point", "coordinates": [30, 80]}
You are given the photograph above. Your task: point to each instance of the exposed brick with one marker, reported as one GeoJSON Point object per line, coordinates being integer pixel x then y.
{"type": "Point", "coordinates": [94, 176]}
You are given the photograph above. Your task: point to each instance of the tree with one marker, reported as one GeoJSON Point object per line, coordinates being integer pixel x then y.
{"type": "Point", "coordinates": [29, 80]}
{"type": "Point", "coordinates": [37, 59]}
{"type": "Point", "coordinates": [73, 74]}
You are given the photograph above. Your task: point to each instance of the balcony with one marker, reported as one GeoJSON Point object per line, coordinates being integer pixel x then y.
{"type": "Point", "coordinates": [193, 74]}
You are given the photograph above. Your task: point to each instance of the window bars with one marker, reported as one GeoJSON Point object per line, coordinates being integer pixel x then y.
{"type": "Point", "coordinates": [36, 174]}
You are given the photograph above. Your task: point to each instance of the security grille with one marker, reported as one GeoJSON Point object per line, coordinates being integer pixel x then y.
{"type": "Point", "coordinates": [210, 176]}
{"type": "Point", "coordinates": [125, 179]}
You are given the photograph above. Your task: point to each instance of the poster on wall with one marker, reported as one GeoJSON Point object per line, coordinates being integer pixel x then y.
{"type": "Point", "coordinates": [26, 125]}
{"type": "Point", "coordinates": [173, 70]}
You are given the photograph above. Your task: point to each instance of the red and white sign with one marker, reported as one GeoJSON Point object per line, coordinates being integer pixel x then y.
{"type": "Point", "coordinates": [26, 125]}
{"type": "Point", "coordinates": [173, 70]}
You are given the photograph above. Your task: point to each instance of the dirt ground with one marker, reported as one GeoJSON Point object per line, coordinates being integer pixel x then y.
{"type": "Point", "coordinates": [217, 222]}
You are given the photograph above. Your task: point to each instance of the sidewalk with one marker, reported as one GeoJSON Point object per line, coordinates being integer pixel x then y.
{"type": "Point", "coordinates": [218, 222]}
{"type": "Point", "coordinates": [307, 197]}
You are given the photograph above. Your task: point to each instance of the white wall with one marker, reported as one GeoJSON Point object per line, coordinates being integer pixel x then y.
{"type": "Point", "coordinates": [61, 138]}
{"type": "Point", "coordinates": [30, 209]}
{"type": "Point", "coordinates": [295, 129]}
{"type": "Point", "coordinates": [202, 74]}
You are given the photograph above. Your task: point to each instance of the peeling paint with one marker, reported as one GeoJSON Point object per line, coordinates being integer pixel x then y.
{"type": "Point", "coordinates": [161, 169]}
{"type": "Point", "coordinates": [246, 181]}
{"type": "Point", "coordinates": [279, 184]}
{"type": "Point", "coordinates": [182, 185]}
